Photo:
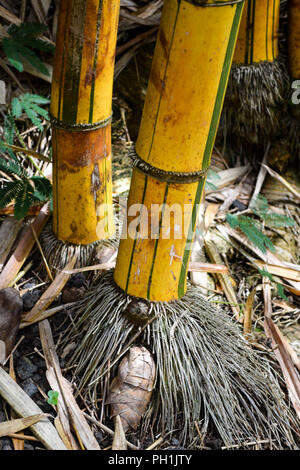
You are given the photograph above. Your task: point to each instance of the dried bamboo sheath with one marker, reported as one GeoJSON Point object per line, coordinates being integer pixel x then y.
{"type": "Point", "coordinates": [258, 78]}
{"type": "Point", "coordinates": [81, 115]}
{"type": "Point", "coordinates": [174, 146]}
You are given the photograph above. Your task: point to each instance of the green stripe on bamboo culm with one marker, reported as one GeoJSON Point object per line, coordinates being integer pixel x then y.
{"type": "Point", "coordinates": [95, 62]}
{"type": "Point", "coordinates": [222, 86]}
{"type": "Point", "coordinates": [157, 241]}
{"type": "Point", "coordinates": [135, 238]}
{"type": "Point", "coordinates": [190, 237]}
{"type": "Point", "coordinates": [73, 61]}
{"type": "Point", "coordinates": [164, 78]}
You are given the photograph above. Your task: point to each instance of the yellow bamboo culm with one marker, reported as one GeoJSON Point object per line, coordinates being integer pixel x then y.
{"type": "Point", "coordinates": [294, 39]}
{"type": "Point", "coordinates": [156, 267]}
{"type": "Point", "coordinates": [81, 107]}
{"type": "Point", "coordinates": [294, 72]}
{"type": "Point", "coordinates": [174, 145]}
{"type": "Point", "coordinates": [257, 81]}
{"type": "Point", "coordinates": [258, 35]}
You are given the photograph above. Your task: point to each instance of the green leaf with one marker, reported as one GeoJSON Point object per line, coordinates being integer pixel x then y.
{"type": "Point", "coordinates": [213, 175]}
{"type": "Point", "coordinates": [278, 220]}
{"type": "Point", "coordinates": [252, 229]}
{"type": "Point", "coordinates": [33, 116]}
{"type": "Point", "coordinates": [42, 186]}
{"type": "Point", "coordinates": [28, 103]}
{"type": "Point", "coordinates": [22, 43]}
{"type": "Point", "coordinates": [12, 53]}
{"type": "Point", "coordinates": [36, 98]}
{"type": "Point", "coordinates": [9, 192]}
{"type": "Point", "coordinates": [33, 59]}
{"type": "Point", "coordinates": [23, 200]}
{"type": "Point", "coordinates": [12, 167]}
{"type": "Point", "coordinates": [9, 129]}
{"type": "Point", "coordinates": [280, 291]}
{"type": "Point", "coordinates": [232, 220]}
{"type": "Point", "coordinates": [16, 107]}
{"type": "Point", "coordinates": [271, 219]}
{"type": "Point", "coordinates": [265, 273]}
{"type": "Point", "coordinates": [53, 397]}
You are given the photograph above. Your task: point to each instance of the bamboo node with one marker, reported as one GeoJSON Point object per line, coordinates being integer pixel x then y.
{"type": "Point", "coordinates": [80, 126]}
{"type": "Point", "coordinates": [204, 3]}
{"type": "Point", "coordinates": [167, 176]}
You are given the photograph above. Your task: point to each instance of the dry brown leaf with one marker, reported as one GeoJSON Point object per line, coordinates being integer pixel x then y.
{"type": "Point", "coordinates": [281, 271]}
{"type": "Point", "coordinates": [8, 233]}
{"type": "Point", "coordinates": [48, 296]}
{"type": "Point", "coordinates": [17, 443]}
{"type": "Point", "coordinates": [131, 389]}
{"type": "Point", "coordinates": [268, 258]}
{"type": "Point", "coordinates": [15, 425]}
{"type": "Point", "coordinates": [198, 266]}
{"type": "Point", "coordinates": [289, 371]}
{"type": "Point", "coordinates": [283, 181]}
{"type": "Point", "coordinates": [23, 249]}
{"type": "Point", "coordinates": [248, 313]}
{"type": "Point", "coordinates": [119, 442]}
{"type": "Point", "coordinates": [224, 279]}
{"type": "Point", "coordinates": [70, 414]}
{"type": "Point", "coordinates": [194, 266]}
{"type": "Point", "coordinates": [228, 176]}
{"type": "Point", "coordinates": [210, 213]}
{"type": "Point", "coordinates": [24, 406]}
